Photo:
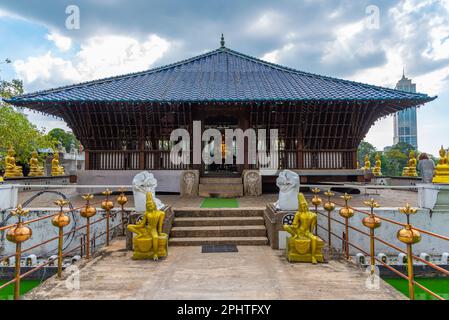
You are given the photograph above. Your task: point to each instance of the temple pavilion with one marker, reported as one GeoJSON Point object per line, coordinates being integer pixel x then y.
{"type": "Point", "coordinates": [125, 122]}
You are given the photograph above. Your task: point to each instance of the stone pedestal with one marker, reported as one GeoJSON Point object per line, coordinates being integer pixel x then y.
{"type": "Point", "coordinates": [274, 222]}
{"type": "Point", "coordinates": [434, 197]}
{"type": "Point", "coordinates": [252, 183]}
{"type": "Point", "coordinates": [133, 217]}
{"type": "Point", "coordinates": [189, 183]}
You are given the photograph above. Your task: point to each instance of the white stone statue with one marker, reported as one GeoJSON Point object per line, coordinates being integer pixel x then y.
{"type": "Point", "coordinates": [142, 183]}
{"type": "Point", "coordinates": [288, 184]}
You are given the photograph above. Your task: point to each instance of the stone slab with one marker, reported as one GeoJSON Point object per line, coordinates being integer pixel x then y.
{"type": "Point", "coordinates": [255, 272]}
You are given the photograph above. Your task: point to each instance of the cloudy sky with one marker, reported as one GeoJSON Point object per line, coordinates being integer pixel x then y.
{"type": "Point", "coordinates": [368, 41]}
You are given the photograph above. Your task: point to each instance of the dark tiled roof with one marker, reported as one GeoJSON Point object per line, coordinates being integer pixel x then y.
{"type": "Point", "coordinates": [220, 75]}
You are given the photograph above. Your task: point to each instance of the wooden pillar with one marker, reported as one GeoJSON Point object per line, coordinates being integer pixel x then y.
{"type": "Point", "coordinates": [86, 160]}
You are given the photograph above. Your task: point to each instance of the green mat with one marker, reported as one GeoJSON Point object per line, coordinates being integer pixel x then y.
{"type": "Point", "coordinates": [219, 203]}
{"type": "Point", "coordinates": [25, 286]}
{"type": "Point", "coordinates": [438, 285]}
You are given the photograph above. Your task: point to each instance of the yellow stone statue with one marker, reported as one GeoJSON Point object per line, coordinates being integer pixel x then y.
{"type": "Point", "coordinates": [303, 245]}
{"type": "Point", "coordinates": [149, 241]}
{"type": "Point", "coordinates": [36, 170]}
{"type": "Point", "coordinates": [11, 169]}
{"type": "Point", "coordinates": [367, 163]}
{"type": "Point", "coordinates": [442, 169]}
{"type": "Point", "coordinates": [56, 169]}
{"type": "Point", "coordinates": [410, 171]}
{"type": "Point", "coordinates": [377, 171]}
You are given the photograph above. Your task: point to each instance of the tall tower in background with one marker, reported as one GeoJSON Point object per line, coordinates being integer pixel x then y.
{"type": "Point", "coordinates": [405, 123]}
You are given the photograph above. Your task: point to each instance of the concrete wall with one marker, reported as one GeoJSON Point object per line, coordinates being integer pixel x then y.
{"type": "Point", "coordinates": [167, 180]}
{"type": "Point", "coordinates": [8, 197]}
{"type": "Point", "coordinates": [436, 222]}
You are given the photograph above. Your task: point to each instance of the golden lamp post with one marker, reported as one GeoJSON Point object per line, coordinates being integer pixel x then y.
{"type": "Point", "coordinates": [60, 221]}
{"type": "Point", "coordinates": [316, 201]}
{"type": "Point", "coordinates": [122, 200]}
{"type": "Point", "coordinates": [18, 234]}
{"type": "Point", "coordinates": [87, 212]}
{"type": "Point", "coordinates": [329, 206]}
{"type": "Point", "coordinates": [346, 212]}
{"type": "Point", "coordinates": [409, 236]}
{"type": "Point", "coordinates": [372, 222]}
{"type": "Point", "coordinates": [107, 205]}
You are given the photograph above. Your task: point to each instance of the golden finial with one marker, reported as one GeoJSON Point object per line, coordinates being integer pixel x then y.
{"type": "Point", "coordinates": [316, 190]}
{"type": "Point", "coordinates": [61, 203]}
{"type": "Point", "coordinates": [19, 211]}
{"type": "Point", "coordinates": [107, 192]}
{"type": "Point", "coordinates": [346, 211]}
{"type": "Point", "coordinates": [88, 197]}
{"type": "Point", "coordinates": [122, 199]}
{"type": "Point", "coordinates": [372, 203]}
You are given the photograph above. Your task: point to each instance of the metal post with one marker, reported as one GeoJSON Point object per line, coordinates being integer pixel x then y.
{"type": "Point", "coordinates": [347, 238]}
{"type": "Point", "coordinates": [107, 227]}
{"type": "Point", "coordinates": [87, 238]}
{"type": "Point", "coordinates": [409, 236]}
{"type": "Point", "coordinates": [372, 250]}
{"type": "Point", "coordinates": [60, 240]}
{"type": "Point", "coordinates": [17, 271]}
{"type": "Point", "coordinates": [411, 284]}
{"type": "Point", "coordinates": [107, 205]}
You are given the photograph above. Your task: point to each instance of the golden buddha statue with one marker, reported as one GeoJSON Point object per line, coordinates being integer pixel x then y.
{"type": "Point", "coordinates": [410, 171]}
{"type": "Point", "coordinates": [303, 245]}
{"type": "Point", "coordinates": [149, 242]}
{"type": "Point", "coordinates": [367, 163]}
{"type": "Point", "coordinates": [36, 170]}
{"type": "Point", "coordinates": [56, 169]}
{"type": "Point", "coordinates": [377, 171]}
{"type": "Point", "coordinates": [11, 169]}
{"type": "Point", "coordinates": [442, 168]}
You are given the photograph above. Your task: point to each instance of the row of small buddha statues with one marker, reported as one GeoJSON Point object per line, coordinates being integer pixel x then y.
{"type": "Point", "coordinates": [13, 170]}
{"type": "Point", "coordinates": [441, 174]}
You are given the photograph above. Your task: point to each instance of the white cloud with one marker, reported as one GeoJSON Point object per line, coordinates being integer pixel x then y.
{"type": "Point", "coordinates": [61, 42]}
{"type": "Point", "coordinates": [98, 57]}
{"type": "Point", "coordinates": [273, 56]}
{"type": "Point", "coordinates": [268, 23]}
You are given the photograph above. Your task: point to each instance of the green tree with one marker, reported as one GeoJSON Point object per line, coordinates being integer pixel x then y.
{"type": "Point", "coordinates": [366, 148]}
{"type": "Point", "coordinates": [16, 130]}
{"type": "Point", "coordinates": [66, 139]}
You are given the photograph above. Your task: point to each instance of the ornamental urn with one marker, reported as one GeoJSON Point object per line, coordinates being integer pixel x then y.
{"type": "Point", "coordinates": [371, 222]}
{"type": "Point", "coordinates": [122, 199]}
{"type": "Point", "coordinates": [88, 211]}
{"type": "Point", "coordinates": [409, 235]}
{"type": "Point", "coordinates": [19, 233]}
{"type": "Point", "coordinates": [61, 220]}
{"type": "Point", "coordinates": [346, 212]}
{"type": "Point", "coordinates": [107, 205]}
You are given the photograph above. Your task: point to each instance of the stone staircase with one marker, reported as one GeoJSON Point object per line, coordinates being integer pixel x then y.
{"type": "Point", "coordinates": [196, 227]}
{"type": "Point", "coordinates": [221, 187]}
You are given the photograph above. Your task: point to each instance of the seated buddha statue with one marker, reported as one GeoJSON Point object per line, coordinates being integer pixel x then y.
{"type": "Point", "coordinates": [36, 170]}
{"type": "Point", "coordinates": [442, 168]}
{"type": "Point", "coordinates": [303, 245]}
{"type": "Point", "coordinates": [367, 163]}
{"type": "Point", "coordinates": [149, 241]}
{"type": "Point", "coordinates": [377, 171]}
{"type": "Point", "coordinates": [11, 169]}
{"type": "Point", "coordinates": [410, 171]}
{"type": "Point", "coordinates": [56, 169]}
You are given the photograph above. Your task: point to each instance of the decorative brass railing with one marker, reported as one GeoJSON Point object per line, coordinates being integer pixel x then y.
{"type": "Point", "coordinates": [409, 235]}
{"type": "Point", "coordinates": [21, 231]}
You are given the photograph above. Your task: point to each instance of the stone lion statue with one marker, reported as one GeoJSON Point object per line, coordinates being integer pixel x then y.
{"type": "Point", "coordinates": [288, 184]}
{"type": "Point", "coordinates": [142, 183]}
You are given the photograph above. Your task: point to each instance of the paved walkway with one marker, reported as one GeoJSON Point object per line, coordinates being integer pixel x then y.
{"type": "Point", "coordinates": [252, 273]}
{"type": "Point", "coordinates": [386, 198]}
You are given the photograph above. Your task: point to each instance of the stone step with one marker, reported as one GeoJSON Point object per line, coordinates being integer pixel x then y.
{"type": "Point", "coordinates": [249, 241]}
{"type": "Point", "coordinates": [217, 221]}
{"type": "Point", "coordinates": [218, 231]}
{"type": "Point", "coordinates": [220, 180]}
{"type": "Point", "coordinates": [220, 190]}
{"type": "Point", "coordinates": [225, 212]}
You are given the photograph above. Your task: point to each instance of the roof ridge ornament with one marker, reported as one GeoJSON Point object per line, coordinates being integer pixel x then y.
{"type": "Point", "coordinates": [222, 41]}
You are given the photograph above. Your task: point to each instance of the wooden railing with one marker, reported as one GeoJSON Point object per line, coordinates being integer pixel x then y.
{"type": "Point", "coordinates": [160, 160]}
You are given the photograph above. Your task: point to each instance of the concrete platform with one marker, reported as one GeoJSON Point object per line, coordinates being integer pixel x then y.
{"type": "Point", "coordinates": [255, 272]}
